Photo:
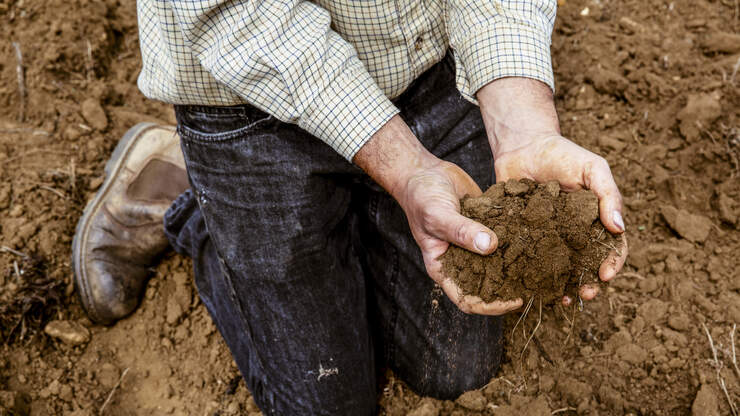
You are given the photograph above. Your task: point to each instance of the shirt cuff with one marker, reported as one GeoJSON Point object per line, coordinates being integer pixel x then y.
{"type": "Point", "coordinates": [349, 111]}
{"type": "Point", "coordinates": [502, 50]}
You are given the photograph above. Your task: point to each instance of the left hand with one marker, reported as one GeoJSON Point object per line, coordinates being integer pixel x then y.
{"type": "Point", "coordinates": [524, 134]}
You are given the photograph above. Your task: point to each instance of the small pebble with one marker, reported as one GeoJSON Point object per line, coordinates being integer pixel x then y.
{"type": "Point", "coordinates": [69, 332]}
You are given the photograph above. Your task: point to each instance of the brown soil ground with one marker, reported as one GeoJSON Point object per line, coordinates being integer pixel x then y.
{"type": "Point", "coordinates": [549, 243]}
{"type": "Point", "coordinates": [652, 85]}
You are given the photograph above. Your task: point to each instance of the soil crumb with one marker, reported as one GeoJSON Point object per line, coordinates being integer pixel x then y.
{"type": "Point", "coordinates": [549, 242]}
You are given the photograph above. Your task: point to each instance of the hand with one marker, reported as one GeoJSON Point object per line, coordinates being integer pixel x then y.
{"type": "Point", "coordinates": [524, 134]}
{"type": "Point", "coordinates": [428, 190]}
{"type": "Point", "coordinates": [430, 198]}
{"type": "Point", "coordinates": [557, 158]}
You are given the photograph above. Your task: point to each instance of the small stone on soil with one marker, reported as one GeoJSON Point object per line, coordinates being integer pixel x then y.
{"type": "Point", "coordinates": [472, 400]}
{"type": "Point", "coordinates": [632, 354]}
{"type": "Point", "coordinates": [679, 321]}
{"type": "Point", "coordinates": [573, 391]}
{"type": "Point", "coordinates": [705, 403]}
{"type": "Point", "coordinates": [69, 332]}
{"type": "Point", "coordinates": [694, 228]}
{"type": "Point", "coordinates": [426, 407]}
{"type": "Point", "coordinates": [94, 114]}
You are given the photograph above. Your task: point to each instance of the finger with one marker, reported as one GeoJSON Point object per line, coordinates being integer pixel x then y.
{"type": "Point", "coordinates": [614, 261]}
{"type": "Point", "coordinates": [588, 291]}
{"type": "Point", "coordinates": [465, 233]}
{"type": "Point", "coordinates": [601, 182]}
{"type": "Point", "coordinates": [493, 308]}
{"type": "Point", "coordinates": [474, 304]}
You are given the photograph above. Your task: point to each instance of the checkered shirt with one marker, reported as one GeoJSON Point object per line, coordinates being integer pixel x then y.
{"type": "Point", "coordinates": [332, 66]}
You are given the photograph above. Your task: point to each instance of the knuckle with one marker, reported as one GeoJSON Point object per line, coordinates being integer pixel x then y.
{"type": "Point", "coordinates": [428, 218]}
{"type": "Point", "coordinates": [461, 233]}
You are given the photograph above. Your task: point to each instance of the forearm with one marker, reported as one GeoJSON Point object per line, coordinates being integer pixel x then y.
{"type": "Point", "coordinates": [393, 154]}
{"type": "Point", "coordinates": [516, 110]}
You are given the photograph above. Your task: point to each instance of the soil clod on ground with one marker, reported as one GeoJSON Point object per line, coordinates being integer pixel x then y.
{"type": "Point", "coordinates": [549, 242]}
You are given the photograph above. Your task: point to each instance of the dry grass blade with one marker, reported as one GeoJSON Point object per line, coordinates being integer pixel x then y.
{"type": "Point", "coordinates": [54, 191]}
{"type": "Point", "coordinates": [572, 325]}
{"type": "Point", "coordinates": [718, 367]}
{"type": "Point", "coordinates": [21, 81]}
{"type": "Point", "coordinates": [734, 352]}
{"type": "Point", "coordinates": [534, 331]}
{"type": "Point", "coordinates": [522, 316]}
{"type": "Point", "coordinates": [735, 68]}
{"type": "Point", "coordinates": [110, 395]}
{"type": "Point", "coordinates": [10, 250]}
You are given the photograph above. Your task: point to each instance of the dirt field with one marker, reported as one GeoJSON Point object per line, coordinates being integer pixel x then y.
{"type": "Point", "coordinates": [652, 85]}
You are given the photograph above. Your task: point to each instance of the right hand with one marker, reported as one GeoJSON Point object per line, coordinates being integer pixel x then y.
{"type": "Point", "coordinates": [429, 190]}
{"type": "Point", "coordinates": [430, 199]}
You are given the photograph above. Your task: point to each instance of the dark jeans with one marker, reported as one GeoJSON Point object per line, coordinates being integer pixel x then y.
{"type": "Point", "coordinates": [309, 269]}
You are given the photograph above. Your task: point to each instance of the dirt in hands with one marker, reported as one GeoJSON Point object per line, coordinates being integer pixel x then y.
{"type": "Point", "coordinates": [549, 242]}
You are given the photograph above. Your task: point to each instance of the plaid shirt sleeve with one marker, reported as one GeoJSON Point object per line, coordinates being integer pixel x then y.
{"type": "Point", "coordinates": [282, 57]}
{"type": "Point", "coordinates": [497, 38]}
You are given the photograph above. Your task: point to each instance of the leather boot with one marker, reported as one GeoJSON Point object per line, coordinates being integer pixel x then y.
{"type": "Point", "coordinates": [121, 234]}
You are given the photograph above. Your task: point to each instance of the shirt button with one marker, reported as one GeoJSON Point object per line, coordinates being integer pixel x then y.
{"type": "Point", "coordinates": [417, 44]}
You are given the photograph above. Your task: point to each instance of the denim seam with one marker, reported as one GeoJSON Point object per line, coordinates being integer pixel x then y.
{"type": "Point", "coordinates": [187, 133]}
{"type": "Point", "coordinates": [227, 275]}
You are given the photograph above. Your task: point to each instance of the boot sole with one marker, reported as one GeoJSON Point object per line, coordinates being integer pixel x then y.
{"type": "Point", "coordinates": [112, 168]}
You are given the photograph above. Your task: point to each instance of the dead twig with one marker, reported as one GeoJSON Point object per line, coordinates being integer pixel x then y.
{"type": "Point", "coordinates": [16, 252]}
{"type": "Point", "coordinates": [110, 395]}
{"type": "Point", "coordinates": [72, 174]}
{"type": "Point", "coordinates": [54, 191]}
{"type": "Point", "coordinates": [34, 132]}
{"type": "Point", "coordinates": [734, 352]}
{"type": "Point", "coordinates": [89, 62]}
{"type": "Point", "coordinates": [718, 367]}
{"type": "Point", "coordinates": [21, 81]}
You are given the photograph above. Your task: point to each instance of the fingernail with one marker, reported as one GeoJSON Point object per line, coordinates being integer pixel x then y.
{"type": "Point", "coordinates": [482, 241]}
{"type": "Point", "coordinates": [617, 218]}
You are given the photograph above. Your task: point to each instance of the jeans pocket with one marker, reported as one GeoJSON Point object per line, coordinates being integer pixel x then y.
{"type": "Point", "coordinates": [218, 124]}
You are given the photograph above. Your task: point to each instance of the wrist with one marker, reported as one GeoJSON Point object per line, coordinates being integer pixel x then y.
{"type": "Point", "coordinates": [392, 155]}
{"type": "Point", "coordinates": [517, 111]}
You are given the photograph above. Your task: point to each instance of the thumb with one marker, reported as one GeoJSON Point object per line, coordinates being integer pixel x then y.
{"type": "Point", "coordinates": [468, 234]}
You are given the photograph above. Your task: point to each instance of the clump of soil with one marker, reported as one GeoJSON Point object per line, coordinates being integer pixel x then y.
{"type": "Point", "coordinates": [549, 242]}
